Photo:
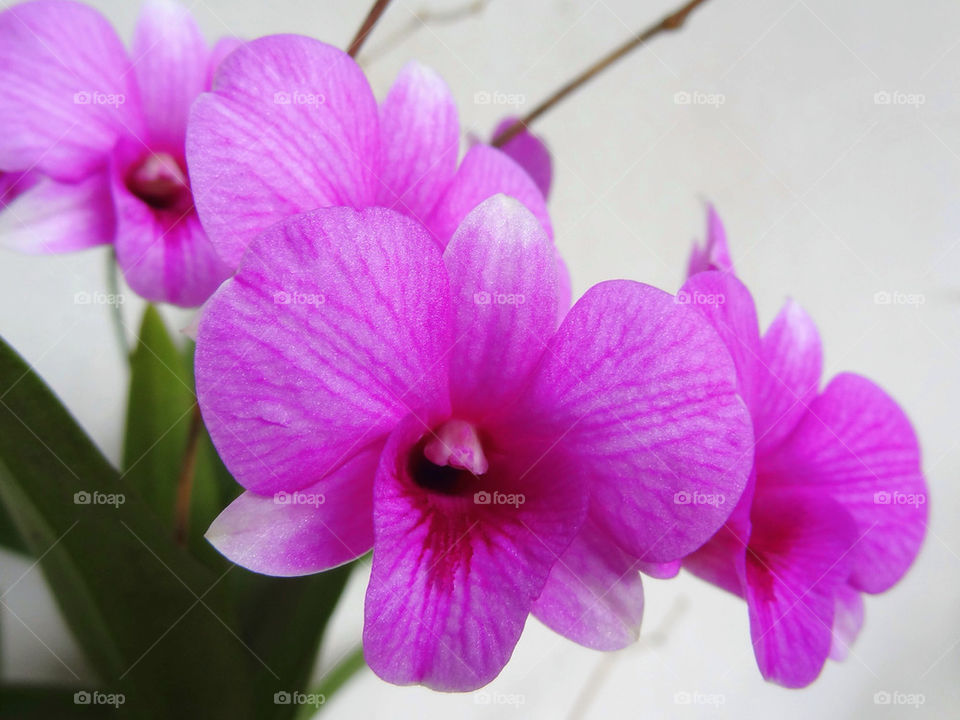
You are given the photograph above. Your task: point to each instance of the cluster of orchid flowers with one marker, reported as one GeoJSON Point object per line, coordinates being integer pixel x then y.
{"type": "Point", "coordinates": [390, 327]}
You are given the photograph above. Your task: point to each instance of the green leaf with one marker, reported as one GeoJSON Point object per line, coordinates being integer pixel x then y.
{"type": "Point", "coordinates": [9, 537]}
{"type": "Point", "coordinates": [284, 620]}
{"type": "Point", "coordinates": [162, 422]}
{"type": "Point", "coordinates": [154, 622]}
{"type": "Point", "coordinates": [159, 409]}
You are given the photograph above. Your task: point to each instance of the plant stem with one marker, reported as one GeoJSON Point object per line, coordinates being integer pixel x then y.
{"type": "Point", "coordinates": [185, 479]}
{"type": "Point", "coordinates": [673, 21]}
{"type": "Point", "coordinates": [375, 12]}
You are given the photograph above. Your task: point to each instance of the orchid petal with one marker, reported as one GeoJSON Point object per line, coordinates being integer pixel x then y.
{"type": "Point", "coordinates": [792, 360]}
{"type": "Point", "coordinates": [727, 304]}
{"type": "Point", "coordinates": [504, 279]}
{"type": "Point", "coordinates": [306, 531]}
{"type": "Point", "coordinates": [715, 254]}
{"type": "Point", "coordinates": [170, 58]}
{"type": "Point", "coordinates": [594, 595]}
{"type": "Point", "coordinates": [53, 217]}
{"type": "Point", "coordinates": [641, 389]}
{"type": "Point", "coordinates": [483, 173]}
{"type": "Point", "coordinates": [847, 621]}
{"type": "Point", "coordinates": [530, 153]}
{"type": "Point", "coordinates": [291, 126]}
{"type": "Point", "coordinates": [420, 141]}
{"type": "Point", "coordinates": [67, 89]}
{"type": "Point", "coordinates": [797, 563]}
{"type": "Point", "coordinates": [334, 328]}
{"type": "Point", "coordinates": [856, 444]}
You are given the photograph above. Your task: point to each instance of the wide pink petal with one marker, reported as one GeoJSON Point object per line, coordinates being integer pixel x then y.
{"type": "Point", "coordinates": [594, 595]}
{"type": "Point", "coordinates": [67, 89]}
{"type": "Point", "coordinates": [53, 217]}
{"type": "Point", "coordinates": [715, 253]}
{"type": "Point", "coordinates": [420, 141]}
{"type": "Point", "coordinates": [291, 125]}
{"type": "Point", "coordinates": [799, 560]}
{"type": "Point", "coordinates": [847, 621]}
{"type": "Point", "coordinates": [165, 254]}
{"type": "Point", "coordinates": [483, 173]}
{"type": "Point", "coordinates": [858, 446]}
{"type": "Point", "coordinates": [641, 390]}
{"type": "Point", "coordinates": [304, 531]}
{"type": "Point", "coordinates": [727, 304]}
{"type": "Point", "coordinates": [530, 153]}
{"type": "Point", "coordinates": [334, 328]}
{"type": "Point", "coordinates": [453, 577]}
{"type": "Point", "coordinates": [170, 57]}
{"type": "Point", "coordinates": [792, 360]}
{"type": "Point", "coordinates": [503, 279]}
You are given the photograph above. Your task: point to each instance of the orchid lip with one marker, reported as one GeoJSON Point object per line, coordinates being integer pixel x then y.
{"type": "Point", "coordinates": [160, 181]}
{"type": "Point", "coordinates": [457, 443]}
{"type": "Point", "coordinates": [450, 460]}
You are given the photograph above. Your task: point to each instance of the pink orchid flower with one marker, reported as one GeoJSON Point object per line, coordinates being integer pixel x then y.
{"type": "Point", "coordinates": [836, 505]}
{"type": "Point", "coordinates": [95, 136]}
{"type": "Point", "coordinates": [292, 125]}
{"type": "Point", "coordinates": [370, 390]}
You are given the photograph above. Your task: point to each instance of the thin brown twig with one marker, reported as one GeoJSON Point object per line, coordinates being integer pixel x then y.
{"type": "Point", "coordinates": [375, 12]}
{"type": "Point", "coordinates": [185, 479]}
{"type": "Point", "coordinates": [673, 21]}
{"type": "Point", "coordinates": [421, 19]}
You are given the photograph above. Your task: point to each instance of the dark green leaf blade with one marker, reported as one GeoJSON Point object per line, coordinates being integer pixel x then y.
{"type": "Point", "coordinates": [153, 621]}
{"type": "Point", "coordinates": [159, 408]}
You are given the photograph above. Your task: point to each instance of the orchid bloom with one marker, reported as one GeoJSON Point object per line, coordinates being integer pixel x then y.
{"type": "Point", "coordinates": [96, 136]}
{"type": "Point", "coordinates": [292, 125]}
{"type": "Point", "coordinates": [529, 152]}
{"type": "Point", "coordinates": [370, 390]}
{"type": "Point", "coordinates": [836, 505]}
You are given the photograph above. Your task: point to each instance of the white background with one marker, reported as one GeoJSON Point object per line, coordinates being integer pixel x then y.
{"type": "Point", "coordinates": [828, 197]}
